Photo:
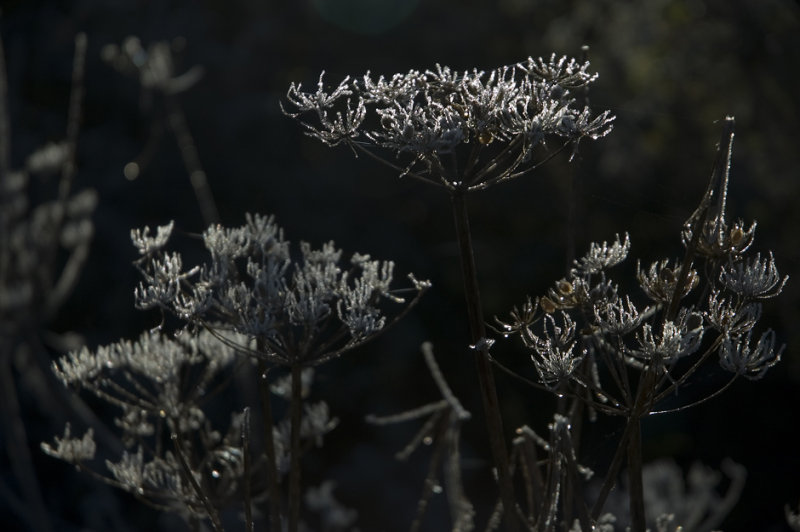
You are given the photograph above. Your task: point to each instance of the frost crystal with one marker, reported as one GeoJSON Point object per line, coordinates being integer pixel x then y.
{"type": "Point", "coordinates": [603, 256]}
{"type": "Point", "coordinates": [737, 356]}
{"type": "Point", "coordinates": [661, 281]}
{"type": "Point", "coordinates": [675, 340]}
{"type": "Point", "coordinates": [146, 244]}
{"type": "Point", "coordinates": [556, 360]}
{"type": "Point", "coordinates": [72, 450]}
{"type": "Point", "coordinates": [754, 278]}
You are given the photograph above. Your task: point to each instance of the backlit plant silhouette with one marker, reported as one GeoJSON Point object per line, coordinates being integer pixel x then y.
{"type": "Point", "coordinates": [601, 348]}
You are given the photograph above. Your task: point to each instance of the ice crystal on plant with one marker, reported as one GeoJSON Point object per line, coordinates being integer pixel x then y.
{"type": "Point", "coordinates": [72, 450]}
{"type": "Point", "coordinates": [603, 256]}
{"type": "Point", "coordinates": [675, 340]}
{"type": "Point", "coordinates": [738, 356]}
{"type": "Point", "coordinates": [556, 359]}
{"type": "Point", "coordinates": [754, 278]}
{"type": "Point", "coordinates": [146, 244]}
{"type": "Point", "coordinates": [660, 281]}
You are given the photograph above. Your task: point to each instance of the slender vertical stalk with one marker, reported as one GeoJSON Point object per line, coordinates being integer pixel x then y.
{"type": "Point", "coordinates": [269, 450]}
{"type": "Point", "coordinates": [491, 405]}
{"type": "Point", "coordinates": [295, 414]}
{"type": "Point", "coordinates": [641, 406]}
{"type": "Point", "coordinates": [635, 485]}
{"type": "Point", "coordinates": [248, 500]}
{"type": "Point", "coordinates": [188, 474]}
{"type": "Point", "coordinates": [191, 159]}
{"type": "Point", "coordinates": [5, 119]}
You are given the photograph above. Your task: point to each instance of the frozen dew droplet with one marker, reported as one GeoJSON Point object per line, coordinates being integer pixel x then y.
{"type": "Point", "coordinates": [162, 413]}
{"type": "Point", "coordinates": [436, 488]}
{"type": "Point", "coordinates": [427, 440]}
{"type": "Point", "coordinates": [140, 491]}
{"type": "Point", "coordinates": [214, 473]}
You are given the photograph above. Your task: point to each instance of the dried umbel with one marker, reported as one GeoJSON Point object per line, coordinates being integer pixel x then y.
{"type": "Point", "coordinates": [597, 347]}
{"type": "Point", "coordinates": [303, 311]}
{"type": "Point", "coordinates": [251, 302]}
{"type": "Point", "coordinates": [617, 331]}
{"type": "Point", "coordinates": [489, 123]}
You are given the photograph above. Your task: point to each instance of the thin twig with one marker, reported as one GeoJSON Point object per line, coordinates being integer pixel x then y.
{"type": "Point", "coordinates": [188, 474]}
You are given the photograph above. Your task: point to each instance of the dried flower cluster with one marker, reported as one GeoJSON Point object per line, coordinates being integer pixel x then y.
{"type": "Point", "coordinates": [499, 117]}
{"type": "Point", "coordinates": [296, 312]}
{"type": "Point", "coordinates": [250, 303]}
{"type": "Point", "coordinates": [600, 346]}
{"type": "Point", "coordinates": [585, 321]}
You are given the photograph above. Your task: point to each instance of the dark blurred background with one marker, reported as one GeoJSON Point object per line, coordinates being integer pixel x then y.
{"type": "Point", "coordinates": [669, 70]}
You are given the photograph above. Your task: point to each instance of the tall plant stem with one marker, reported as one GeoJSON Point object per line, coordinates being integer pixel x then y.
{"type": "Point", "coordinates": [635, 484]}
{"type": "Point", "coordinates": [295, 415]}
{"type": "Point", "coordinates": [491, 405]}
{"type": "Point", "coordinates": [643, 404]}
{"type": "Point", "coordinates": [269, 449]}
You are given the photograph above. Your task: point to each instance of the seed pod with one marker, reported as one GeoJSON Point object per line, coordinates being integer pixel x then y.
{"type": "Point", "coordinates": [564, 287]}
{"type": "Point", "coordinates": [547, 305]}
{"type": "Point", "coordinates": [737, 236]}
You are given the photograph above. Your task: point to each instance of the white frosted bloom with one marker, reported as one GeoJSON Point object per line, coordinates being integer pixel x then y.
{"type": "Point", "coordinates": [72, 450]}
{"type": "Point", "coordinates": [738, 356]}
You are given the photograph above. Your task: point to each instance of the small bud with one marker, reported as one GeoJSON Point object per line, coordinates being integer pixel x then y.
{"type": "Point", "coordinates": [547, 305]}
{"type": "Point", "coordinates": [564, 287]}
{"type": "Point", "coordinates": [737, 236]}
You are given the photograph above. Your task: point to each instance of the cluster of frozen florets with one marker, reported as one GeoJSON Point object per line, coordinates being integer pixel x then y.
{"type": "Point", "coordinates": [654, 338]}
{"type": "Point", "coordinates": [502, 115]}
{"type": "Point", "coordinates": [301, 311]}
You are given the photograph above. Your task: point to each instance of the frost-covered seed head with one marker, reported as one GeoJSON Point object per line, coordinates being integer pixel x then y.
{"type": "Point", "coordinates": [738, 356]}
{"type": "Point", "coordinates": [754, 278]}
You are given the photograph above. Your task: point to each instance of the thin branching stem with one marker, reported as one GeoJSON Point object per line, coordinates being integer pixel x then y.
{"type": "Point", "coordinates": [403, 171]}
{"type": "Point", "coordinates": [189, 476]}
{"type": "Point", "coordinates": [431, 483]}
